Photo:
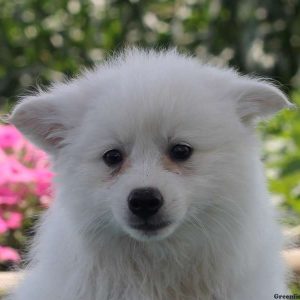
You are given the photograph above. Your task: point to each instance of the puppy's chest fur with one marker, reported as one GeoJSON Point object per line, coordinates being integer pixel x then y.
{"type": "Point", "coordinates": [148, 279]}
{"type": "Point", "coordinates": [155, 288]}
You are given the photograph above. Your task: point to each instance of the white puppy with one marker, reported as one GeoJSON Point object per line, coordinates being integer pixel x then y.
{"type": "Point", "coordinates": [160, 192]}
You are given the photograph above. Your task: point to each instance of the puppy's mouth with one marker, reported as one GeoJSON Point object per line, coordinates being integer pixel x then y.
{"type": "Point", "coordinates": [149, 226]}
{"type": "Point", "coordinates": [150, 230]}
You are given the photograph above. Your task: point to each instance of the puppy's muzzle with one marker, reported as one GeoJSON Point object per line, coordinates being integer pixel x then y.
{"type": "Point", "coordinates": [145, 202]}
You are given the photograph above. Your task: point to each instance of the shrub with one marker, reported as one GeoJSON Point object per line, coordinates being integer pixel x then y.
{"type": "Point", "coordinates": [25, 189]}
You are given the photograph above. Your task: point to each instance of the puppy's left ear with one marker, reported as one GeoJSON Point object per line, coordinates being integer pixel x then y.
{"type": "Point", "coordinates": [259, 99]}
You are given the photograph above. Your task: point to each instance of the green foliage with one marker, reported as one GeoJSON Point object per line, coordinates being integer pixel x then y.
{"type": "Point", "coordinates": [42, 39]}
{"type": "Point", "coordinates": [282, 144]}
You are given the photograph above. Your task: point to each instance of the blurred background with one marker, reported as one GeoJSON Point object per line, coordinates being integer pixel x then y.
{"type": "Point", "coordinates": [44, 40]}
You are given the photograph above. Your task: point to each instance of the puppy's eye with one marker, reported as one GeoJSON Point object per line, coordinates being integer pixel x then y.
{"type": "Point", "coordinates": [180, 152]}
{"type": "Point", "coordinates": [113, 157]}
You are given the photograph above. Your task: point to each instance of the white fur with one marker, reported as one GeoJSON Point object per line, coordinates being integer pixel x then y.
{"type": "Point", "coordinates": [223, 242]}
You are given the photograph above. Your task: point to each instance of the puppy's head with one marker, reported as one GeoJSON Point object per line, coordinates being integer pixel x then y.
{"type": "Point", "coordinates": [149, 143]}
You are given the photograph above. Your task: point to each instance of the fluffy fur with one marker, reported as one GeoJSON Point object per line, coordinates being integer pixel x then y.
{"type": "Point", "coordinates": [222, 242]}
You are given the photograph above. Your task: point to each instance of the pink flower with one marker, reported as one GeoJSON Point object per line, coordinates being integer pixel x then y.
{"type": "Point", "coordinates": [7, 196]}
{"type": "Point", "coordinates": [43, 179]}
{"type": "Point", "coordinates": [2, 154]}
{"type": "Point", "coordinates": [14, 220]}
{"type": "Point", "coordinates": [10, 137]}
{"type": "Point", "coordinates": [34, 155]}
{"type": "Point", "coordinates": [9, 254]}
{"type": "Point", "coordinates": [13, 171]}
{"type": "Point", "coordinates": [46, 201]}
{"type": "Point", "coordinates": [24, 178]}
{"type": "Point", "coordinates": [3, 225]}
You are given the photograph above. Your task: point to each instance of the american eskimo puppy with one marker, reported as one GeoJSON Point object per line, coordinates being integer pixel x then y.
{"type": "Point", "coordinates": [160, 191]}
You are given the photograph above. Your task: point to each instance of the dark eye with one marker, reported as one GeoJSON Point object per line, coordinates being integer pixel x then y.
{"type": "Point", "coordinates": [113, 157]}
{"type": "Point", "coordinates": [180, 152]}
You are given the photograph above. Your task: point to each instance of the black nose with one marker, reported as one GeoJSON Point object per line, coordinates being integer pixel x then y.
{"type": "Point", "coordinates": [145, 202]}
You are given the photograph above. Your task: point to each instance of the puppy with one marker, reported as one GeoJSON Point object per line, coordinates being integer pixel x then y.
{"type": "Point", "coordinates": [160, 192]}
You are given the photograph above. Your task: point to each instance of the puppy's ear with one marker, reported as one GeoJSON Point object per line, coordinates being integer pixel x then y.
{"type": "Point", "coordinates": [259, 99]}
{"type": "Point", "coordinates": [45, 119]}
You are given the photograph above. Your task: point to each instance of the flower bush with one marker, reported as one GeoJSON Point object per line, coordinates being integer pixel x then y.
{"type": "Point", "coordinates": [25, 189]}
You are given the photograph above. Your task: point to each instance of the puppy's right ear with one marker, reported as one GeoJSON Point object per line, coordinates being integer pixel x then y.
{"type": "Point", "coordinates": [45, 119]}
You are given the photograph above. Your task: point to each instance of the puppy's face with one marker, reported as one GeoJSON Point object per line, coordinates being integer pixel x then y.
{"type": "Point", "coordinates": [144, 164]}
{"type": "Point", "coordinates": [146, 147]}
